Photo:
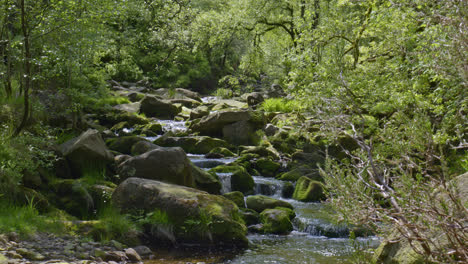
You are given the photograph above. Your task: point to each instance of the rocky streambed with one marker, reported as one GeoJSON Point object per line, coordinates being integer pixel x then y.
{"type": "Point", "coordinates": [211, 180]}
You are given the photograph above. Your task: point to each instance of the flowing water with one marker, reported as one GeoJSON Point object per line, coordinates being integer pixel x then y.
{"type": "Point", "coordinates": [315, 239]}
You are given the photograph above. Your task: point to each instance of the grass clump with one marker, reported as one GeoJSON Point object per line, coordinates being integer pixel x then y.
{"type": "Point", "coordinates": [26, 220]}
{"type": "Point", "coordinates": [112, 225]}
{"type": "Point", "coordinates": [281, 105]}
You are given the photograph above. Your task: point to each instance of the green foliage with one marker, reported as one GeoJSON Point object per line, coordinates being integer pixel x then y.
{"type": "Point", "coordinates": [158, 223]}
{"type": "Point", "coordinates": [281, 105]}
{"type": "Point", "coordinates": [199, 226]}
{"type": "Point", "coordinates": [113, 225]}
{"type": "Point", "coordinates": [26, 220]}
{"type": "Point", "coordinates": [223, 93]}
{"type": "Point", "coordinates": [22, 154]}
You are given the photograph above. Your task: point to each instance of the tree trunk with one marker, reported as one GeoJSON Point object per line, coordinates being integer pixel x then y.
{"type": "Point", "coordinates": [27, 70]}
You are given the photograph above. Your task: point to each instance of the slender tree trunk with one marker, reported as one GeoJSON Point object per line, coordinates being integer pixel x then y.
{"type": "Point", "coordinates": [5, 51]}
{"type": "Point", "coordinates": [27, 70]}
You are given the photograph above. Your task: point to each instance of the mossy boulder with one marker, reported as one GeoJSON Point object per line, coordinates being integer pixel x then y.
{"type": "Point", "coordinates": [193, 216]}
{"type": "Point", "coordinates": [311, 159]}
{"type": "Point", "coordinates": [262, 202]}
{"type": "Point", "coordinates": [287, 190]}
{"type": "Point", "coordinates": [262, 151]}
{"type": "Point", "coordinates": [109, 119]}
{"type": "Point", "coordinates": [195, 145]}
{"type": "Point", "coordinates": [206, 181]}
{"type": "Point", "coordinates": [308, 190]}
{"type": "Point", "coordinates": [165, 164]}
{"type": "Point", "coordinates": [213, 124]}
{"type": "Point", "coordinates": [86, 150]}
{"type": "Point", "coordinates": [199, 112]}
{"type": "Point", "coordinates": [169, 165]}
{"type": "Point", "coordinates": [223, 151]}
{"type": "Point", "coordinates": [237, 197]}
{"type": "Point", "coordinates": [276, 221]}
{"type": "Point", "coordinates": [123, 144]}
{"type": "Point", "coordinates": [250, 216]}
{"type": "Point", "coordinates": [298, 172]}
{"type": "Point", "coordinates": [151, 129]}
{"type": "Point", "coordinates": [155, 107]}
{"type": "Point", "coordinates": [267, 167]}
{"type": "Point", "coordinates": [241, 180]}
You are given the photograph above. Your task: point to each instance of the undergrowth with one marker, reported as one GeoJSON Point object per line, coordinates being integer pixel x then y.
{"type": "Point", "coordinates": [26, 220]}
{"type": "Point", "coordinates": [281, 105]}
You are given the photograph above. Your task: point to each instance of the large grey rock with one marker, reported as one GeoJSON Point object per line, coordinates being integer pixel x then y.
{"type": "Point", "coordinates": [155, 107]}
{"type": "Point", "coordinates": [169, 165]}
{"type": "Point", "coordinates": [164, 164]}
{"type": "Point", "coordinates": [193, 215]}
{"type": "Point", "coordinates": [130, 108]}
{"type": "Point", "coordinates": [213, 124]}
{"type": "Point", "coordinates": [86, 151]}
{"type": "Point", "coordinates": [240, 133]}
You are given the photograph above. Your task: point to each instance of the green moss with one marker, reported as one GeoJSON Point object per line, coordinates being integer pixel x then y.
{"type": "Point", "coordinates": [224, 151]}
{"type": "Point", "coordinates": [237, 197]}
{"type": "Point", "coordinates": [267, 167]}
{"type": "Point", "coordinates": [276, 221]}
{"type": "Point", "coordinates": [26, 220]}
{"type": "Point", "coordinates": [290, 212]}
{"type": "Point", "coordinates": [262, 202]}
{"type": "Point", "coordinates": [308, 190]}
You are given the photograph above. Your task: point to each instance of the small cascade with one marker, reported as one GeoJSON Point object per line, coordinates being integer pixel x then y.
{"type": "Point", "coordinates": [204, 163]}
{"type": "Point", "coordinates": [173, 126]}
{"type": "Point", "coordinates": [209, 99]}
{"type": "Point", "coordinates": [318, 227]}
{"type": "Point", "coordinates": [225, 179]}
{"type": "Point", "coordinates": [268, 186]}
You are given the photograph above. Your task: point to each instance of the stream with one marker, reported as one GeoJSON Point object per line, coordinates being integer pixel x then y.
{"type": "Point", "coordinates": [315, 238]}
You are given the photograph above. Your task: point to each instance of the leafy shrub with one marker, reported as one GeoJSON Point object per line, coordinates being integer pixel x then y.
{"type": "Point", "coordinates": [281, 105]}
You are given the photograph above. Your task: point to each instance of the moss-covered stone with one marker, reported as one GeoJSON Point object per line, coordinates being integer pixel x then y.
{"type": "Point", "coordinates": [194, 216]}
{"type": "Point", "coordinates": [208, 182]}
{"type": "Point", "coordinates": [164, 164]}
{"type": "Point", "coordinates": [223, 151]}
{"type": "Point", "coordinates": [237, 197]}
{"type": "Point", "coordinates": [262, 202]}
{"type": "Point", "coordinates": [249, 216]}
{"type": "Point", "coordinates": [276, 221]}
{"type": "Point", "coordinates": [298, 172]}
{"type": "Point", "coordinates": [152, 129]}
{"type": "Point", "coordinates": [267, 167]}
{"type": "Point", "coordinates": [196, 145]}
{"type": "Point", "coordinates": [288, 190]}
{"type": "Point", "coordinates": [290, 212]}
{"type": "Point", "coordinates": [262, 151]}
{"type": "Point", "coordinates": [241, 180]}
{"type": "Point", "coordinates": [308, 190]}
{"type": "Point", "coordinates": [123, 144]}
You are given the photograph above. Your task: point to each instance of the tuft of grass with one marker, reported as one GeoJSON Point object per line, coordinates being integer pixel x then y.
{"type": "Point", "coordinates": [113, 225]}
{"type": "Point", "coordinates": [281, 105]}
{"type": "Point", "coordinates": [25, 220]}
